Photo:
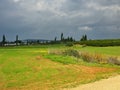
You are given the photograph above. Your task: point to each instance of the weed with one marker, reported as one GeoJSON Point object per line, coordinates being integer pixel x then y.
{"type": "Point", "coordinates": [69, 44]}
{"type": "Point", "coordinates": [71, 52]}
{"type": "Point", "coordinates": [99, 58]}
{"type": "Point", "coordinates": [113, 60]}
{"type": "Point", "coordinates": [86, 57]}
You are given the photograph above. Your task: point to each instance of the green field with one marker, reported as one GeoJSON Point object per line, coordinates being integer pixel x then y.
{"type": "Point", "coordinates": [31, 67]}
{"type": "Point", "coordinates": [115, 50]}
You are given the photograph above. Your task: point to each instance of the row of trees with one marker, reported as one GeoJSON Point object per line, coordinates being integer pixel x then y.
{"type": "Point", "coordinates": [4, 41]}
{"type": "Point", "coordinates": [62, 40]}
{"type": "Point", "coordinates": [70, 39]}
{"type": "Point", "coordinates": [84, 38]}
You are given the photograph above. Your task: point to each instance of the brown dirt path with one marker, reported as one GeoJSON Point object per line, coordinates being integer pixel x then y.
{"type": "Point", "coordinates": [112, 83]}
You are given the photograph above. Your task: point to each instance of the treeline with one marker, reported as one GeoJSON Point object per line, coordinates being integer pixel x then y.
{"type": "Point", "coordinates": [62, 40]}
{"type": "Point", "coordinates": [101, 43]}
{"type": "Point", "coordinates": [67, 40]}
{"type": "Point", "coordinates": [5, 42]}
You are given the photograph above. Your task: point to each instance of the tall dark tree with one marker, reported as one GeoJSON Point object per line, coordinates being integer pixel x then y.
{"type": "Point", "coordinates": [71, 39]}
{"type": "Point", "coordinates": [62, 37]}
{"type": "Point", "coordinates": [68, 39]}
{"type": "Point", "coordinates": [27, 42]}
{"type": "Point", "coordinates": [38, 41]}
{"type": "Point", "coordinates": [85, 37]}
{"type": "Point", "coordinates": [82, 39]}
{"type": "Point", "coordinates": [55, 39]}
{"type": "Point", "coordinates": [17, 40]}
{"type": "Point", "coordinates": [3, 40]}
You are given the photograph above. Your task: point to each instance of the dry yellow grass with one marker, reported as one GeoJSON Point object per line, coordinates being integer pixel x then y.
{"type": "Point", "coordinates": [67, 76]}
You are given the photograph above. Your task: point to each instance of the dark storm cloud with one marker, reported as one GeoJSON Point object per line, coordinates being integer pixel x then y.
{"type": "Point", "coordinates": [48, 18]}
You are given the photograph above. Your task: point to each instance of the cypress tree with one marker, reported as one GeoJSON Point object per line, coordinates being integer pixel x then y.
{"type": "Point", "coordinates": [17, 40]}
{"type": "Point", "coordinates": [85, 37]}
{"type": "Point", "coordinates": [3, 40]}
{"type": "Point", "coordinates": [62, 37]}
{"type": "Point", "coordinates": [55, 39]}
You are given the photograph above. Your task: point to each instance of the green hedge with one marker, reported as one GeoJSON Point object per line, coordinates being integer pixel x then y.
{"type": "Point", "coordinates": [102, 43]}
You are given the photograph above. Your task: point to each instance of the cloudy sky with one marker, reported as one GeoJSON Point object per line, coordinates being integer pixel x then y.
{"type": "Point", "coordinates": [45, 19]}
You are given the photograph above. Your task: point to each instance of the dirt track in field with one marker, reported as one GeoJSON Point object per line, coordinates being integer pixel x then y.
{"type": "Point", "coordinates": [112, 83]}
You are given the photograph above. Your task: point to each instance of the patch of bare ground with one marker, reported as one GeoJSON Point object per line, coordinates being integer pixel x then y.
{"type": "Point", "coordinates": [68, 75]}
{"type": "Point", "coordinates": [112, 83]}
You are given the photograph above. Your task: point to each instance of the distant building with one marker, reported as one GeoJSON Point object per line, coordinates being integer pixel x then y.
{"type": "Point", "coordinates": [11, 44]}
{"type": "Point", "coordinates": [33, 41]}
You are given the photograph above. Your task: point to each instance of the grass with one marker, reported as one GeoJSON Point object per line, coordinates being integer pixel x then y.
{"type": "Point", "coordinates": [33, 68]}
{"type": "Point", "coordinates": [115, 50]}
{"type": "Point", "coordinates": [62, 59]}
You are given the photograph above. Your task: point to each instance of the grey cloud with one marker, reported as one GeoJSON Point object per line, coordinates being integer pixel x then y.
{"type": "Point", "coordinates": [47, 19]}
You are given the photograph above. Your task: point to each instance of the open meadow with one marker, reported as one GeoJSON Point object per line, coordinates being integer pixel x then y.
{"type": "Point", "coordinates": [34, 68]}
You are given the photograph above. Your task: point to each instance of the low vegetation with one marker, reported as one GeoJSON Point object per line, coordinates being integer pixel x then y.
{"type": "Point", "coordinates": [89, 57]}
{"type": "Point", "coordinates": [71, 52]}
{"type": "Point", "coordinates": [101, 43]}
{"type": "Point", "coordinates": [99, 58]}
{"type": "Point", "coordinates": [40, 68]}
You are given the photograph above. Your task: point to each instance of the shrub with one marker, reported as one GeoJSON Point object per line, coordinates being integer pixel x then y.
{"type": "Point", "coordinates": [86, 57]}
{"type": "Point", "coordinates": [71, 52]}
{"type": "Point", "coordinates": [69, 44]}
{"type": "Point", "coordinates": [113, 60]}
{"type": "Point", "coordinates": [98, 58]}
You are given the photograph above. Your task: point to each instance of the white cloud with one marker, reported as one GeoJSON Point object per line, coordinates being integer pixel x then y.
{"type": "Point", "coordinates": [98, 6]}
{"type": "Point", "coordinates": [85, 28]}
{"type": "Point", "coordinates": [40, 5]}
{"type": "Point", "coordinates": [16, 1]}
